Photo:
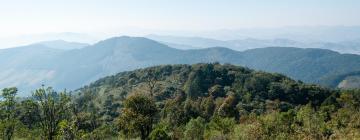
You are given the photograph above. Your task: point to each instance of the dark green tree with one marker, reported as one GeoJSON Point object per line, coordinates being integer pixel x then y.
{"type": "Point", "coordinates": [29, 113]}
{"type": "Point", "coordinates": [194, 129]}
{"type": "Point", "coordinates": [138, 116]}
{"type": "Point", "coordinates": [8, 118]}
{"type": "Point", "coordinates": [159, 133]}
{"type": "Point", "coordinates": [110, 109]}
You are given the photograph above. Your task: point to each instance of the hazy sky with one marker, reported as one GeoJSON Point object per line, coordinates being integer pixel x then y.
{"type": "Point", "coordinates": [19, 17]}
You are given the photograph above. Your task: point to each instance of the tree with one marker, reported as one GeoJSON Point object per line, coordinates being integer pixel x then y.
{"type": "Point", "coordinates": [207, 107]}
{"type": "Point", "coordinates": [312, 124]}
{"type": "Point", "coordinates": [174, 110]}
{"type": "Point", "coordinates": [66, 130]}
{"type": "Point", "coordinates": [137, 116]}
{"type": "Point", "coordinates": [193, 86]}
{"type": "Point", "coordinates": [54, 108]}
{"type": "Point", "coordinates": [227, 107]}
{"type": "Point", "coordinates": [217, 91]}
{"type": "Point", "coordinates": [151, 79]}
{"type": "Point", "coordinates": [29, 113]}
{"type": "Point", "coordinates": [110, 109]}
{"type": "Point", "coordinates": [159, 132]}
{"type": "Point", "coordinates": [194, 129]}
{"type": "Point", "coordinates": [220, 128]}
{"type": "Point", "coordinates": [8, 119]}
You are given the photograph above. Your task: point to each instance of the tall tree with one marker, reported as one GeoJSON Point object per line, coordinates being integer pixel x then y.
{"type": "Point", "coordinates": [194, 129]}
{"type": "Point", "coordinates": [28, 113]}
{"type": "Point", "coordinates": [138, 115]}
{"type": "Point", "coordinates": [8, 106]}
{"type": "Point", "coordinates": [54, 108]}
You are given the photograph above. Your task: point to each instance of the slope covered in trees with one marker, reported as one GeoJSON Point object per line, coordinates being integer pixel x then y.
{"type": "Point", "coordinates": [200, 101]}
{"type": "Point", "coordinates": [74, 68]}
{"type": "Point", "coordinates": [347, 80]}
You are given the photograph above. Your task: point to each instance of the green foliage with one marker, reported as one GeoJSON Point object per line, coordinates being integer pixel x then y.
{"type": "Point", "coordinates": [159, 133]}
{"type": "Point", "coordinates": [137, 116]}
{"type": "Point", "coordinates": [106, 131]}
{"type": "Point", "coordinates": [29, 113]}
{"type": "Point", "coordinates": [220, 128]}
{"type": "Point", "coordinates": [54, 108]}
{"type": "Point", "coordinates": [8, 118]}
{"type": "Point", "coordinates": [202, 101]}
{"type": "Point", "coordinates": [194, 129]}
{"type": "Point", "coordinates": [217, 93]}
{"type": "Point", "coordinates": [66, 130]}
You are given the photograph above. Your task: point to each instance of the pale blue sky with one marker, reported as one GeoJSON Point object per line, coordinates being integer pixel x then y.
{"type": "Point", "coordinates": [19, 17]}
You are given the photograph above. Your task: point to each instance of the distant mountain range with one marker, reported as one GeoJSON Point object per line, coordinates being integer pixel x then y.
{"type": "Point", "coordinates": [62, 45]}
{"type": "Point", "coordinates": [350, 46]}
{"type": "Point", "coordinates": [13, 41]}
{"type": "Point", "coordinates": [298, 33]}
{"type": "Point", "coordinates": [29, 67]}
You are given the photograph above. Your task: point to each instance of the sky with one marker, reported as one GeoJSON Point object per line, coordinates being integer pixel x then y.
{"type": "Point", "coordinates": [22, 17]}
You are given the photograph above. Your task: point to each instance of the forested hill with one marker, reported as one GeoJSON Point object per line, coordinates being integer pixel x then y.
{"type": "Point", "coordinates": [199, 79]}
{"type": "Point", "coordinates": [308, 65]}
{"type": "Point", "coordinates": [214, 101]}
{"type": "Point", "coordinates": [349, 80]}
{"type": "Point", "coordinates": [29, 67]}
{"type": "Point", "coordinates": [199, 101]}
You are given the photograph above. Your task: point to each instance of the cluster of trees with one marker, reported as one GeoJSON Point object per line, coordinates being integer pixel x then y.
{"type": "Point", "coordinates": [39, 117]}
{"type": "Point", "coordinates": [201, 101]}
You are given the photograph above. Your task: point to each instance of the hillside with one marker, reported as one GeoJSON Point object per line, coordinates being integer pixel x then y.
{"type": "Point", "coordinates": [128, 53]}
{"type": "Point", "coordinates": [30, 67]}
{"type": "Point", "coordinates": [350, 82]}
{"type": "Point", "coordinates": [198, 80]}
{"type": "Point", "coordinates": [27, 66]}
{"type": "Point", "coordinates": [199, 101]}
{"type": "Point", "coordinates": [346, 81]}
{"type": "Point", "coordinates": [309, 65]}
{"type": "Point", "coordinates": [225, 100]}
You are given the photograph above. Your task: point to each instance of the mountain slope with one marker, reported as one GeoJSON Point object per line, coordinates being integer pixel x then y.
{"type": "Point", "coordinates": [348, 80]}
{"type": "Point", "coordinates": [183, 92]}
{"type": "Point", "coordinates": [27, 66]}
{"type": "Point", "coordinates": [201, 80]}
{"type": "Point", "coordinates": [230, 102]}
{"type": "Point", "coordinates": [305, 64]}
{"type": "Point", "coordinates": [74, 68]}
{"type": "Point", "coordinates": [63, 45]}
{"type": "Point", "coordinates": [127, 53]}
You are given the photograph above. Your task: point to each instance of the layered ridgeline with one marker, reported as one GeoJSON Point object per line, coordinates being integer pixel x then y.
{"type": "Point", "coordinates": [350, 46]}
{"type": "Point", "coordinates": [213, 101]}
{"type": "Point", "coordinates": [31, 66]}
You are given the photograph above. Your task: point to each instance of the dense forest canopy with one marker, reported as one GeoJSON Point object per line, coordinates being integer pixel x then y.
{"type": "Point", "coordinates": [200, 101]}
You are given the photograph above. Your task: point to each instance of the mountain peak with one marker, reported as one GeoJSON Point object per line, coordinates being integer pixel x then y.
{"type": "Point", "coordinates": [131, 43]}
{"type": "Point", "coordinates": [124, 38]}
